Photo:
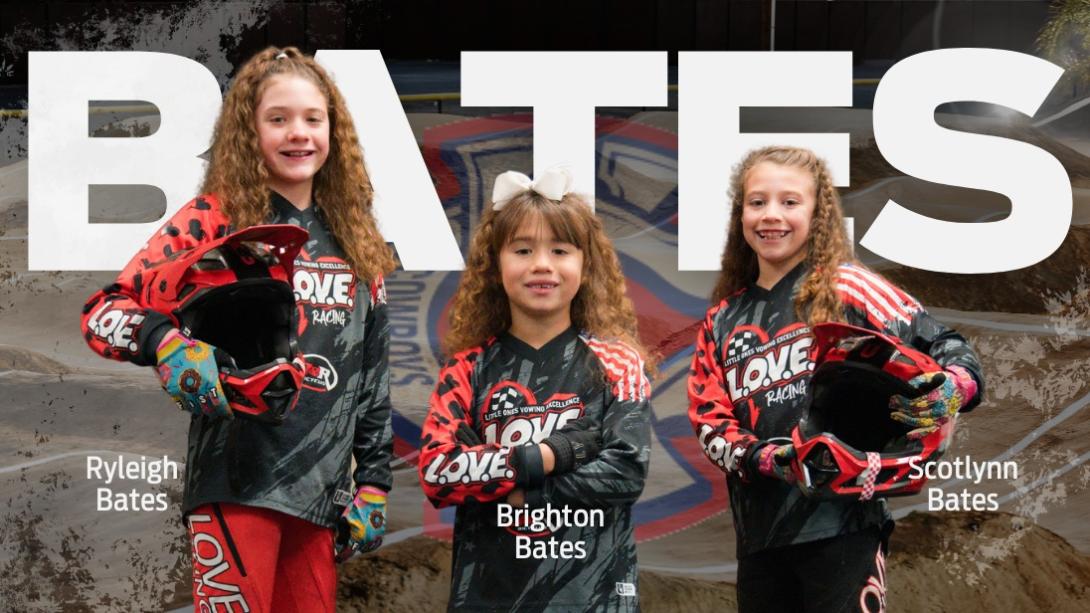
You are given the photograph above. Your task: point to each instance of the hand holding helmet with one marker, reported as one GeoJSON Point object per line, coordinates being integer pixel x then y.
{"type": "Point", "coordinates": [846, 442]}
{"type": "Point", "coordinates": [188, 372]}
{"type": "Point", "coordinates": [233, 298]}
{"type": "Point", "coordinates": [941, 396]}
{"type": "Point", "coordinates": [362, 524]}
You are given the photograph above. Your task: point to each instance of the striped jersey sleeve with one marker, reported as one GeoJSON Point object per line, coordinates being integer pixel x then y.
{"type": "Point", "coordinates": [873, 302]}
{"type": "Point", "coordinates": [616, 477]}
{"type": "Point", "coordinates": [624, 368]}
{"type": "Point", "coordinates": [884, 305]}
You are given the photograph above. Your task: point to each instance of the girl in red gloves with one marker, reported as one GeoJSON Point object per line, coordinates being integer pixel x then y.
{"type": "Point", "coordinates": [262, 500]}
{"type": "Point", "coordinates": [788, 266]}
{"type": "Point", "coordinates": [544, 403]}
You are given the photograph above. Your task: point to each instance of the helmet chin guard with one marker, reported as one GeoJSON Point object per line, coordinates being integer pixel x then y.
{"type": "Point", "coordinates": [846, 443]}
{"type": "Point", "coordinates": [235, 294]}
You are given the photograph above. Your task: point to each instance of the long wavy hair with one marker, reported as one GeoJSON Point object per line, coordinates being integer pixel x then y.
{"type": "Point", "coordinates": [601, 308]}
{"type": "Point", "coordinates": [237, 174]}
{"type": "Point", "coordinates": [826, 248]}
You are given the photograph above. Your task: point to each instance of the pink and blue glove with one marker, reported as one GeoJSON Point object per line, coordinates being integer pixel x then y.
{"type": "Point", "coordinates": [362, 525]}
{"type": "Point", "coordinates": [775, 461]}
{"type": "Point", "coordinates": [942, 394]}
{"type": "Point", "coordinates": [188, 372]}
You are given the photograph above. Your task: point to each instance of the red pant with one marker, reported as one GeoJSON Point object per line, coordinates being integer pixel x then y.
{"type": "Point", "coordinates": [248, 559]}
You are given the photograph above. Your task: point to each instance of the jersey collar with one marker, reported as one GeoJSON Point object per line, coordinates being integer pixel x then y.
{"type": "Point", "coordinates": [285, 209]}
{"type": "Point", "coordinates": [550, 349]}
{"type": "Point", "coordinates": [788, 281]}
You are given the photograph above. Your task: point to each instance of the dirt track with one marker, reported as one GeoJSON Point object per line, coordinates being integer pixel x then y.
{"type": "Point", "coordinates": [938, 562]}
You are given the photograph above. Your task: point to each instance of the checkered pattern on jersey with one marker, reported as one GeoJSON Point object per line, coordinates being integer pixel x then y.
{"type": "Point", "coordinates": [506, 398]}
{"type": "Point", "coordinates": [742, 342]}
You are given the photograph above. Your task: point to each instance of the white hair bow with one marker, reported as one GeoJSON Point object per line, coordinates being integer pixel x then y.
{"type": "Point", "coordinates": [554, 184]}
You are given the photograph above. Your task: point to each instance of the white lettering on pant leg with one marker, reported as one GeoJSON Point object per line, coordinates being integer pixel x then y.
{"type": "Point", "coordinates": [216, 564]}
{"type": "Point", "coordinates": [564, 87]}
{"type": "Point", "coordinates": [216, 568]}
{"type": "Point", "coordinates": [60, 86]}
{"type": "Point", "coordinates": [227, 600]}
{"type": "Point", "coordinates": [407, 207]}
{"type": "Point", "coordinates": [195, 519]}
{"type": "Point", "coordinates": [875, 587]}
{"type": "Point", "coordinates": [713, 86]}
{"type": "Point", "coordinates": [906, 133]}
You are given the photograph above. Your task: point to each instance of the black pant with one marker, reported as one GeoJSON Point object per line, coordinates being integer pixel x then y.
{"type": "Point", "coordinates": [843, 573]}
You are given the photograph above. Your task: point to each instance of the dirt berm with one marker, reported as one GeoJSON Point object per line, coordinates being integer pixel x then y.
{"type": "Point", "coordinates": [939, 562]}
{"type": "Point", "coordinates": [18, 358]}
{"type": "Point", "coordinates": [1020, 291]}
{"type": "Point", "coordinates": [1026, 290]}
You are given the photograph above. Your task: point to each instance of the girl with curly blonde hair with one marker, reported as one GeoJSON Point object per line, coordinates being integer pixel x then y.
{"type": "Point", "coordinates": [238, 174]}
{"type": "Point", "coordinates": [826, 249]}
{"type": "Point", "coordinates": [788, 267]}
{"type": "Point", "coordinates": [262, 500]}
{"type": "Point", "coordinates": [543, 403]}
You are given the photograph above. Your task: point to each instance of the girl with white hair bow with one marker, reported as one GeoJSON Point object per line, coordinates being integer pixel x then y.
{"type": "Point", "coordinates": [542, 410]}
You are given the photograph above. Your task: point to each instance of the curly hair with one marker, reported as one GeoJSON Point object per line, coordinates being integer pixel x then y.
{"type": "Point", "coordinates": [601, 308]}
{"type": "Point", "coordinates": [826, 248]}
{"type": "Point", "coordinates": [238, 176]}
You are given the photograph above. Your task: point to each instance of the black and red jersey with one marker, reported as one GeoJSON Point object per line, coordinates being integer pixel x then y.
{"type": "Point", "coordinates": [301, 467]}
{"type": "Point", "coordinates": [511, 394]}
{"type": "Point", "coordinates": [750, 382]}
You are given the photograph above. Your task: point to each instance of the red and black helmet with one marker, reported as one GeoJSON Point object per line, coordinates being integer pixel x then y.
{"type": "Point", "coordinates": [235, 294]}
{"type": "Point", "coordinates": [846, 443]}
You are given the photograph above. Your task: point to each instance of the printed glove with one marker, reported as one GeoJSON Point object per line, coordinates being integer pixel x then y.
{"type": "Point", "coordinates": [577, 443]}
{"type": "Point", "coordinates": [941, 396]}
{"type": "Point", "coordinates": [775, 461]}
{"type": "Point", "coordinates": [188, 372]}
{"type": "Point", "coordinates": [362, 524]}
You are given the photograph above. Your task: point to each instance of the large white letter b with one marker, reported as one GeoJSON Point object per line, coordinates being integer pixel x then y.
{"type": "Point", "coordinates": [64, 160]}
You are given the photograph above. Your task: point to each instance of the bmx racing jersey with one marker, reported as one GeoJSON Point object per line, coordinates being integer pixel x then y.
{"type": "Point", "coordinates": [512, 394]}
{"type": "Point", "coordinates": [302, 467]}
{"type": "Point", "coordinates": [749, 382]}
